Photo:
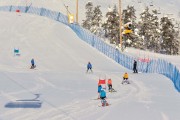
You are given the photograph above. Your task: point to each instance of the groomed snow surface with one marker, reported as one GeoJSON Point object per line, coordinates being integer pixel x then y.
{"type": "Point", "coordinates": [60, 89]}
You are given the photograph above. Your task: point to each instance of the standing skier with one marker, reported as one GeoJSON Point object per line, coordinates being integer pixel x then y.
{"type": "Point", "coordinates": [135, 66]}
{"type": "Point", "coordinates": [32, 64]}
{"type": "Point", "coordinates": [89, 67]}
{"type": "Point", "coordinates": [110, 84]}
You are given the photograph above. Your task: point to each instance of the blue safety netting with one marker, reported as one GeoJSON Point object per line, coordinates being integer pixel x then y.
{"type": "Point", "coordinates": [153, 66]}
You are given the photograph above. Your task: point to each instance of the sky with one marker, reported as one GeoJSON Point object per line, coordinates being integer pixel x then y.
{"type": "Point", "coordinates": [65, 91]}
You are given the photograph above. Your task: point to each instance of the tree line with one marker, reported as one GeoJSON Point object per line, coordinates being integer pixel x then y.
{"type": "Point", "coordinates": [148, 31]}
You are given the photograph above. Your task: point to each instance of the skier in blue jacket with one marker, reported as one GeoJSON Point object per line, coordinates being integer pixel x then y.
{"type": "Point", "coordinates": [32, 64]}
{"type": "Point", "coordinates": [99, 90]}
{"type": "Point", "coordinates": [89, 67]}
{"type": "Point", "coordinates": [102, 94]}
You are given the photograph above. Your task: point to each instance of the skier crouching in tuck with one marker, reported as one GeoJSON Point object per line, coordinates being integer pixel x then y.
{"type": "Point", "coordinates": [125, 79]}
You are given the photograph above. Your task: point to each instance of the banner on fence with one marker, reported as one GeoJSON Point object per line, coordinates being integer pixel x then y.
{"type": "Point", "coordinates": [144, 60]}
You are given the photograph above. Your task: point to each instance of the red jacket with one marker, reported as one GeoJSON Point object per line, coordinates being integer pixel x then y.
{"type": "Point", "coordinates": [109, 81]}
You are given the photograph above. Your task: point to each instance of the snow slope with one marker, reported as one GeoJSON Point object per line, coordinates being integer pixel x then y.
{"type": "Point", "coordinates": [64, 88]}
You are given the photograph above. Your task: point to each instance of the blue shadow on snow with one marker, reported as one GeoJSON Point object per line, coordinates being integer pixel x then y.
{"type": "Point", "coordinates": [24, 104]}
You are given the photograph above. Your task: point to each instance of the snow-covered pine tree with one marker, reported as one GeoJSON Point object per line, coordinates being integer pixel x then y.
{"type": "Point", "coordinates": [89, 14]}
{"type": "Point", "coordinates": [128, 15]}
{"type": "Point", "coordinates": [131, 39]}
{"type": "Point", "coordinates": [170, 43]}
{"type": "Point", "coordinates": [111, 25]}
{"type": "Point", "coordinates": [154, 43]}
{"type": "Point", "coordinates": [96, 21]}
{"type": "Point", "coordinates": [149, 29]}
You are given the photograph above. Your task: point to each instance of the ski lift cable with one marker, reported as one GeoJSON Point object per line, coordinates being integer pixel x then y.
{"type": "Point", "coordinates": [139, 1]}
{"type": "Point", "coordinates": [160, 10]}
{"type": "Point", "coordinates": [66, 7]}
{"type": "Point", "coordinates": [155, 7]}
{"type": "Point", "coordinates": [151, 3]}
{"type": "Point", "coordinates": [131, 3]}
{"type": "Point", "coordinates": [28, 2]}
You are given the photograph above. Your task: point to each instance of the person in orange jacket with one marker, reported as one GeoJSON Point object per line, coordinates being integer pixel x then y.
{"type": "Point", "coordinates": [125, 79]}
{"type": "Point", "coordinates": [110, 84]}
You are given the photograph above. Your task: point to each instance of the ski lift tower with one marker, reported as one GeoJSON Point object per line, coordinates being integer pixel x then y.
{"type": "Point", "coordinates": [120, 24]}
{"type": "Point", "coordinates": [177, 25]}
{"type": "Point", "coordinates": [159, 11]}
{"type": "Point", "coordinates": [77, 11]}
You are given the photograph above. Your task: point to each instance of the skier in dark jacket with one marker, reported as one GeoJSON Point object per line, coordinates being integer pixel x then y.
{"type": "Point", "coordinates": [89, 67]}
{"type": "Point", "coordinates": [135, 67]}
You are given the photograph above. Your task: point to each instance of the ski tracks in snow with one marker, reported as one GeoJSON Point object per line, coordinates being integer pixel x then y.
{"type": "Point", "coordinates": [79, 109]}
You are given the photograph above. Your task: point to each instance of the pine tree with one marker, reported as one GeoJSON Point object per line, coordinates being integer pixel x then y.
{"type": "Point", "coordinates": [170, 44]}
{"type": "Point", "coordinates": [149, 29]}
{"type": "Point", "coordinates": [128, 15]}
{"type": "Point", "coordinates": [111, 25]}
{"type": "Point", "coordinates": [154, 42]}
{"type": "Point", "coordinates": [131, 39]}
{"type": "Point", "coordinates": [96, 21]}
{"type": "Point", "coordinates": [89, 14]}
